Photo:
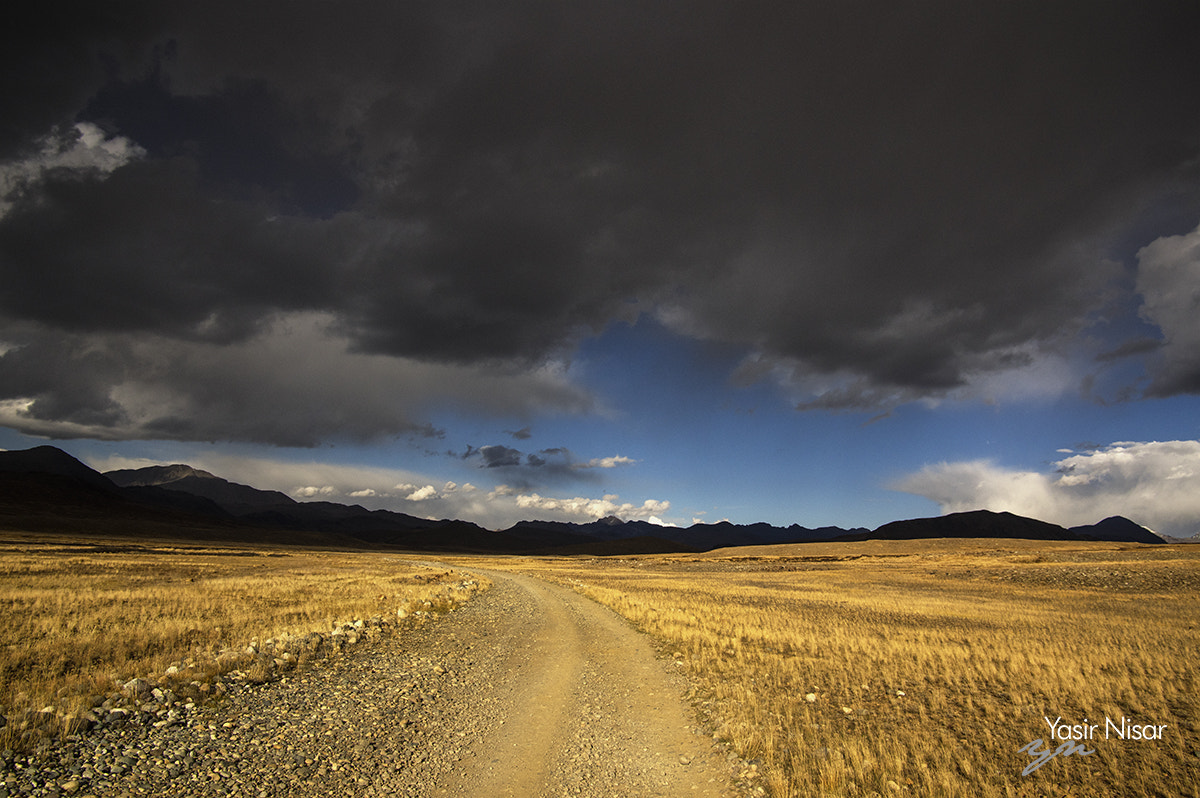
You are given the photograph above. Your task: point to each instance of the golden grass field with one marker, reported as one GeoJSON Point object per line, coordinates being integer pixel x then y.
{"type": "Point", "coordinates": [854, 669]}
{"type": "Point", "coordinates": [77, 618]}
{"type": "Point", "coordinates": [921, 667]}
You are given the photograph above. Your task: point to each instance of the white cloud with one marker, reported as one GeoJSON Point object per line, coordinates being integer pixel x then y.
{"type": "Point", "coordinates": [592, 509]}
{"type": "Point", "coordinates": [1156, 484]}
{"type": "Point", "coordinates": [1169, 282]}
{"type": "Point", "coordinates": [422, 494]}
{"type": "Point", "coordinates": [314, 491]}
{"type": "Point", "coordinates": [606, 462]}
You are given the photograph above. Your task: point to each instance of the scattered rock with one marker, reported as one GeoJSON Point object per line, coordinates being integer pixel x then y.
{"type": "Point", "coordinates": [394, 716]}
{"type": "Point", "coordinates": [137, 688]}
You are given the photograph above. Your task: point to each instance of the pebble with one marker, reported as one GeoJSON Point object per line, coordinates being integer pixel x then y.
{"type": "Point", "coordinates": [295, 734]}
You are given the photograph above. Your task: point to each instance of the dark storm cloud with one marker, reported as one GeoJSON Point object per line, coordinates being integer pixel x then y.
{"type": "Point", "coordinates": [54, 56]}
{"type": "Point", "coordinates": [292, 384]}
{"type": "Point", "coordinates": [531, 470]}
{"type": "Point", "coordinates": [75, 388]}
{"type": "Point", "coordinates": [243, 136]}
{"type": "Point", "coordinates": [902, 195]}
{"type": "Point", "coordinates": [146, 249]}
{"type": "Point", "coordinates": [499, 456]}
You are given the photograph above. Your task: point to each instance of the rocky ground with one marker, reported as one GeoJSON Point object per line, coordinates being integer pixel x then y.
{"type": "Point", "coordinates": [528, 689]}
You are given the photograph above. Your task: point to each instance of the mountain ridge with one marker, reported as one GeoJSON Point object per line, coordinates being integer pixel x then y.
{"type": "Point", "coordinates": [206, 498]}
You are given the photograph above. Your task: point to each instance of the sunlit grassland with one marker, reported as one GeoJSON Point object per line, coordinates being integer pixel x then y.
{"type": "Point", "coordinates": [75, 620]}
{"type": "Point", "coordinates": [922, 667]}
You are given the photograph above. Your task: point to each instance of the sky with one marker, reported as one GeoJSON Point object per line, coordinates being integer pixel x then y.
{"type": "Point", "coordinates": [814, 263]}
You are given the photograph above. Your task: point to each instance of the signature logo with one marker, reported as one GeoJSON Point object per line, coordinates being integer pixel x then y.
{"type": "Point", "coordinates": [1043, 755]}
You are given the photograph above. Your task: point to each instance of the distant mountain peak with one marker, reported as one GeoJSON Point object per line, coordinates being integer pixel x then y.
{"type": "Point", "coordinates": [1118, 527]}
{"type": "Point", "coordinates": [52, 460]}
{"type": "Point", "coordinates": [233, 497]}
{"type": "Point", "coordinates": [155, 475]}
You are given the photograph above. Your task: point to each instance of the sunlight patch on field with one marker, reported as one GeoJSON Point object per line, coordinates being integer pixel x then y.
{"type": "Point", "coordinates": [921, 667]}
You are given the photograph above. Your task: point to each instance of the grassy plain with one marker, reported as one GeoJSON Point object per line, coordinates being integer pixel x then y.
{"type": "Point", "coordinates": [857, 669]}
{"type": "Point", "coordinates": [921, 667]}
{"type": "Point", "coordinates": [78, 617]}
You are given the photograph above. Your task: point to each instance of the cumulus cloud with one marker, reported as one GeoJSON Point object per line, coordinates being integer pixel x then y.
{"type": "Point", "coordinates": [1156, 484]}
{"type": "Point", "coordinates": [316, 492]}
{"type": "Point", "coordinates": [592, 509]}
{"type": "Point", "coordinates": [422, 494]}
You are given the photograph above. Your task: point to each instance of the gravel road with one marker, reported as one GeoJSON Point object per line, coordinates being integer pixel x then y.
{"type": "Point", "coordinates": [527, 690]}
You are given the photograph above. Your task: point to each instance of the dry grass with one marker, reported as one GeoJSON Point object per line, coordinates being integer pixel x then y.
{"type": "Point", "coordinates": [929, 663]}
{"type": "Point", "coordinates": [78, 619]}
{"type": "Point", "coordinates": [921, 668]}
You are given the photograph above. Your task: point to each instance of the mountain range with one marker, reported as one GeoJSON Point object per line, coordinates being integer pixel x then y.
{"type": "Point", "coordinates": [46, 489]}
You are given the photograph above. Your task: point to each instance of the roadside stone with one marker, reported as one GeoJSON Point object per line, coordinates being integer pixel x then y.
{"type": "Point", "coordinates": [137, 688]}
{"type": "Point", "coordinates": [73, 724]}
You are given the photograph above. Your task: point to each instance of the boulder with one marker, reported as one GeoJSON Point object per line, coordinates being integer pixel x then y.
{"type": "Point", "coordinates": [137, 688]}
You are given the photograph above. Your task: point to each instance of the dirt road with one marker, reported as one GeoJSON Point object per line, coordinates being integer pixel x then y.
{"type": "Point", "coordinates": [579, 704]}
